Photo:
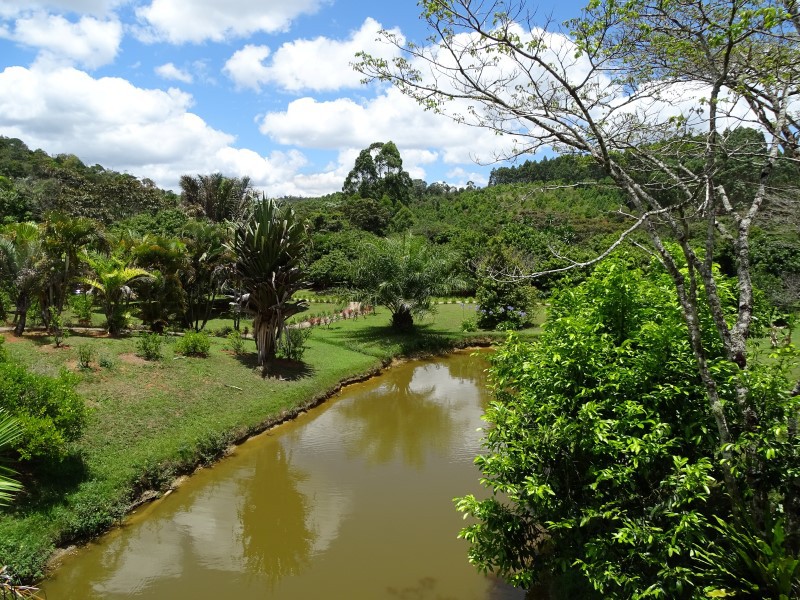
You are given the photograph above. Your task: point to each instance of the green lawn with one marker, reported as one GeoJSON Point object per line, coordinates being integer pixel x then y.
{"type": "Point", "coordinates": [152, 421]}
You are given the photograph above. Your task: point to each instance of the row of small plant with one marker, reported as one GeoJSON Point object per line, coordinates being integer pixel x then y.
{"type": "Point", "coordinates": [198, 344]}
{"type": "Point", "coordinates": [328, 317]}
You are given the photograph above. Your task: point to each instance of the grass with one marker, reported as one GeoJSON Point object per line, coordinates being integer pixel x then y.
{"type": "Point", "coordinates": [154, 420]}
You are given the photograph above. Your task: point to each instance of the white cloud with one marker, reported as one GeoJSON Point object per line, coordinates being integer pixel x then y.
{"type": "Point", "coordinates": [143, 131]}
{"type": "Point", "coordinates": [390, 116]}
{"type": "Point", "coordinates": [90, 42]}
{"type": "Point", "coordinates": [319, 64]}
{"type": "Point", "coordinates": [246, 67]}
{"type": "Point", "coordinates": [170, 71]}
{"type": "Point", "coordinates": [181, 21]}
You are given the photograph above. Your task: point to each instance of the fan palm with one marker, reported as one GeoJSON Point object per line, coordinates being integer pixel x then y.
{"type": "Point", "coordinates": [269, 246]}
{"type": "Point", "coordinates": [111, 280]}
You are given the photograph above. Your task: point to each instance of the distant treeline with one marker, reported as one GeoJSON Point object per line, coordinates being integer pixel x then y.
{"type": "Point", "coordinates": [567, 169]}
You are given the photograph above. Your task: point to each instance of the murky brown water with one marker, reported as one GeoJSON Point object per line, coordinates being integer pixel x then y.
{"type": "Point", "coordinates": [353, 500]}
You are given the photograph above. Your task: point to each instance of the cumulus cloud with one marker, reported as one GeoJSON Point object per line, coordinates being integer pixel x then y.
{"type": "Point", "coordinates": [319, 64]}
{"type": "Point", "coordinates": [170, 71]}
{"type": "Point", "coordinates": [181, 21]}
{"type": "Point", "coordinates": [143, 131]}
{"type": "Point", "coordinates": [90, 42]}
{"type": "Point", "coordinates": [343, 122]}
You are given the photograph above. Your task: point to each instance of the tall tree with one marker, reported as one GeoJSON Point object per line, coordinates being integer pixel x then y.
{"type": "Point", "coordinates": [378, 172]}
{"type": "Point", "coordinates": [651, 91]}
{"type": "Point", "coordinates": [269, 246]}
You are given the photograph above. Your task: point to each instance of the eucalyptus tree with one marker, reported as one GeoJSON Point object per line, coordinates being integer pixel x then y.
{"type": "Point", "coordinates": [655, 93]}
{"type": "Point", "coordinates": [403, 274]}
{"type": "Point", "coordinates": [269, 246]}
{"type": "Point", "coordinates": [22, 267]}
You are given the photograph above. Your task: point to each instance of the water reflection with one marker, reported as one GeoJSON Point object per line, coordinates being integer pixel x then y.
{"type": "Point", "coordinates": [276, 540]}
{"type": "Point", "coordinates": [402, 420]}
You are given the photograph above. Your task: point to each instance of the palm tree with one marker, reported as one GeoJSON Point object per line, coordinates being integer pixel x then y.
{"type": "Point", "coordinates": [215, 196]}
{"type": "Point", "coordinates": [269, 247]}
{"type": "Point", "coordinates": [112, 279]}
{"type": "Point", "coordinates": [403, 274]}
{"type": "Point", "coordinates": [64, 237]}
{"type": "Point", "coordinates": [21, 266]}
{"type": "Point", "coordinates": [10, 432]}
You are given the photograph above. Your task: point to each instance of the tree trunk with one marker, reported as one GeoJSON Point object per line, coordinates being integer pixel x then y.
{"type": "Point", "coordinates": [402, 320]}
{"type": "Point", "coordinates": [23, 303]}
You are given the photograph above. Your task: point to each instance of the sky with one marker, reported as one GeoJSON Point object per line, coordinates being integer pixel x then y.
{"type": "Point", "coordinates": [257, 88]}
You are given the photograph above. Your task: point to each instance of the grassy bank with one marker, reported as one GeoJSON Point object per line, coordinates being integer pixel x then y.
{"type": "Point", "coordinates": [153, 421]}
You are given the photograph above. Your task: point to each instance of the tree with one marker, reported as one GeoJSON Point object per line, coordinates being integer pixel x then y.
{"type": "Point", "coordinates": [22, 267]}
{"type": "Point", "coordinates": [269, 246]}
{"type": "Point", "coordinates": [601, 447]}
{"type": "Point", "coordinates": [216, 197]}
{"type": "Point", "coordinates": [403, 274]}
{"type": "Point", "coordinates": [112, 278]}
{"type": "Point", "coordinates": [652, 92]}
{"type": "Point", "coordinates": [378, 172]}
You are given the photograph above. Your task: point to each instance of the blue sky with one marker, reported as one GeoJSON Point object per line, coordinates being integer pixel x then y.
{"type": "Point", "coordinates": [263, 88]}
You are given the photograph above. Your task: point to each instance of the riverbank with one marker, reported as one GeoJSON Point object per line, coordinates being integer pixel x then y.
{"type": "Point", "coordinates": [152, 422]}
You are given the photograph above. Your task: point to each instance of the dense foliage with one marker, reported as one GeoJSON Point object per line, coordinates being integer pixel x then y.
{"type": "Point", "coordinates": [48, 411]}
{"type": "Point", "coordinates": [602, 456]}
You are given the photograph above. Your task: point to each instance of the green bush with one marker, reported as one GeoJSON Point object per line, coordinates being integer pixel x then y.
{"type": "Point", "coordinates": [49, 410]}
{"type": "Point", "coordinates": [193, 343]}
{"type": "Point", "coordinates": [469, 325]}
{"type": "Point", "coordinates": [292, 343]}
{"type": "Point", "coordinates": [81, 305]}
{"type": "Point", "coordinates": [85, 355]}
{"type": "Point", "coordinates": [148, 346]}
{"type": "Point", "coordinates": [235, 343]}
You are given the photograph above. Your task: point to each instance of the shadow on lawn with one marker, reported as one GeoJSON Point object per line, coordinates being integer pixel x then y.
{"type": "Point", "coordinates": [47, 483]}
{"type": "Point", "coordinates": [280, 368]}
{"type": "Point", "coordinates": [383, 341]}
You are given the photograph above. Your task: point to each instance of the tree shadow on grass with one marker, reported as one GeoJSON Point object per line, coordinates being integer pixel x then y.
{"type": "Point", "coordinates": [280, 368]}
{"type": "Point", "coordinates": [46, 483]}
{"type": "Point", "coordinates": [384, 341]}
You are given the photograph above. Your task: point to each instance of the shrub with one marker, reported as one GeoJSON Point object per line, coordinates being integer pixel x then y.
{"type": "Point", "coordinates": [49, 410]}
{"type": "Point", "coordinates": [292, 343]}
{"type": "Point", "coordinates": [193, 343]}
{"type": "Point", "coordinates": [223, 331]}
{"type": "Point", "coordinates": [235, 343]}
{"type": "Point", "coordinates": [85, 355]}
{"type": "Point", "coordinates": [148, 346]}
{"type": "Point", "coordinates": [469, 325]}
{"type": "Point", "coordinates": [106, 362]}
{"type": "Point", "coordinates": [81, 305]}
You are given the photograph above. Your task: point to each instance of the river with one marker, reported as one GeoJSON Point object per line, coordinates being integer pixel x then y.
{"type": "Point", "coordinates": [353, 499]}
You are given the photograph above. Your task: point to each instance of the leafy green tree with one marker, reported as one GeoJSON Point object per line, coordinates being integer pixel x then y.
{"type": "Point", "coordinates": [378, 172]}
{"type": "Point", "coordinates": [22, 267]}
{"type": "Point", "coordinates": [216, 197]}
{"type": "Point", "coordinates": [602, 454]}
{"type": "Point", "coordinates": [112, 278]}
{"type": "Point", "coordinates": [269, 247]}
{"type": "Point", "coordinates": [501, 298]}
{"type": "Point", "coordinates": [162, 298]}
{"type": "Point", "coordinates": [404, 274]}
